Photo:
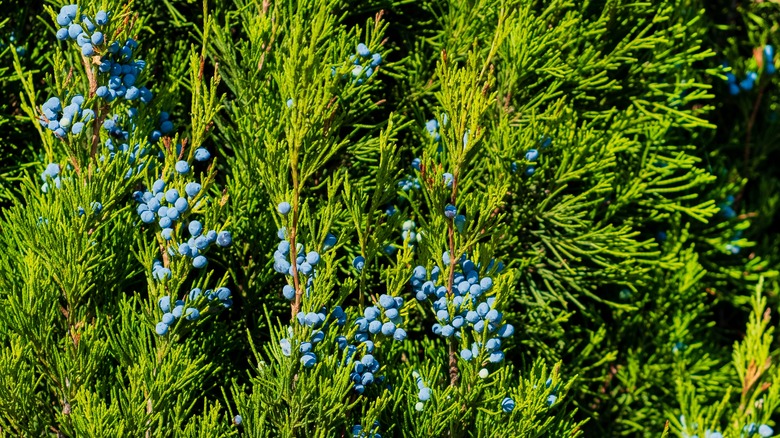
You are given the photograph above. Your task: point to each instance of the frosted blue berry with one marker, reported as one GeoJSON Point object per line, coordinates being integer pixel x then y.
{"type": "Point", "coordinates": [506, 330]}
{"type": "Point", "coordinates": [424, 394]}
{"type": "Point", "coordinates": [399, 334]}
{"type": "Point", "coordinates": [388, 329]}
{"type": "Point", "coordinates": [284, 343]}
{"type": "Point", "coordinates": [172, 213]}
{"type": "Point", "coordinates": [195, 228]}
{"type": "Point", "coordinates": [147, 217]}
{"type": "Point", "coordinates": [167, 233]}
{"type": "Point", "coordinates": [363, 51]}
{"type": "Point", "coordinates": [450, 211]}
{"type": "Point", "coordinates": [195, 293]}
{"type": "Point", "coordinates": [168, 318]}
{"type": "Point", "coordinates": [165, 221]}
{"type": "Point", "coordinates": [192, 189]}
{"type": "Point", "coordinates": [199, 262]}
{"type": "Point", "coordinates": [507, 405]}
{"type": "Point", "coordinates": [237, 420]}
{"type": "Point", "coordinates": [532, 155]}
{"type": "Point", "coordinates": [466, 354]}
{"type": "Point", "coordinates": [101, 18]}
{"type": "Point", "coordinates": [181, 205]}
{"type": "Point", "coordinates": [496, 356]}
{"type": "Point", "coordinates": [74, 30]}
{"type": "Point", "coordinates": [313, 258]}
{"type": "Point", "coordinates": [765, 431]}
{"type": "Point", "coordinates": [62, 34]}
{"type": "Point", "coordinates": [359, 262]}
{"type": "Point", "coordinates": [202, 154]}
{"type": "Point", "coordinates": [288, 292]}
{"type": "Point", "coordinates": [172, 195]}
{"type": "Point", "coordinates": [182, 167]}
{"type": "Point", "coordinates": [224, 238]}
{"type": "Point", "coordinates": [158, 185]}
{"type": "Point", "coordinates": [376, 59]}
{"type": "Point", "coordinates": [164, 303]}
{"type": "Point", "coordinates": [192, 313]}
{"type": "Point", "coordinates": [161, 328]}
{"type": "Point", "coordinates": [283, 208]}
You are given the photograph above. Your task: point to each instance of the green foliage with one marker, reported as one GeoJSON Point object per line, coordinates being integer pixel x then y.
{"type": "Point", "coordinates": [617, 192]}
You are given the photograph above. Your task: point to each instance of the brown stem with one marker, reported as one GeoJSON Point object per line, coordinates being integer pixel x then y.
{"type": "Point", "coordinates": [296, 306]}
{"type": "Point", "coordinates": [454, 372]}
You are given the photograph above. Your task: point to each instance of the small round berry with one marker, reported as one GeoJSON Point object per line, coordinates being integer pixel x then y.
{"type": "Point", "coordinates": [237, 420]}
{"type": "Point", "coordinates": [202, 154]}
{"type": "Point", "coordinates": [359, 262]}
{"type": "Point", "coordinates": [182, 167]}
{"type": "Point", "coordinates": [288, 292]}
{"type": "Point", "coordinates": [308, 359]}
{"type": "Point", "coordinates": [74, 30]}
{"type": "Point", "coordinates": [419, 406]}
{"type": "Point", "coordinates": [147, 217]}
{"type": "Point", "coordinates": [283, 208]}
{"type": "Point", "coordinates": [400, 334]}
{"type": "Point", "coordinates": [199, 262]}
{"type": "Point", "coordinates": [168, 318]}
{"type": "Point", "coordinates": [424, 394]}
{"type": "Point", "coordinates": [507, 405]}
{"type": "Point", "coordinates": [192, 189]}
{"type": "Point", "coordinates": [192, 313]}
{"type": "Point", "coordinates": [101, 18]}
{"type": "Point", "coordinates": [224, 238]}
{"type": "Point", "coordinates": [62, 34]}
{"type": "Point", "coordinates": [195, 228]}
{"type": "Point", "coordinates": [164, 303]}
{"type": "Point", "coordinates": [483, 373]}
{"type": "Point", "coordinates": [158, 185]}
{"type": "Point", "coordinates": [167, 233]}
{"type": "Point", "coordinates": [172, 195]}
{"type": "Point", "coordinates": [161, 328]}
{"type": "Point", "coordinates": [97, 38]}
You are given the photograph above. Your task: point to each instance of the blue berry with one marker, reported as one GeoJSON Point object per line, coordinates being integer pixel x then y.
{"type": "Point", "coordinates": [330, 241]}
{"type": "Point", "coordinates": [284, 343]}
{"type": "Point", "coordinates": [288, 292]}
{"type": "Point", "coordinates": [74, 30]}
{"type": "Point", "coordinates": [62, 34]}
{"type": "Point", "coordinates": [195, 228]}
{"type": "Point", "coordinates": [168, 318]}
{"type": "Point", "coordinates": [507, 405]}
{"type": "Point", "coordinates": [466, 354]}
{"type": "Point", "coordinates": [158, 185]}
{"type": "Point", "coordinates": [199, 262]}
{"type": "Point", "coordinates": [101, 18]}
{"type": "Point", "coordinates": [167, 233]}
{"type": "Point", "coordinates": [363, 51]}
{"type": "Point", "coordinates": [192, 189]}
{"type": "Point", "coordinates": [283, 208]}
{"type": "Point", "coordinates": [308, 360]}
{"type": "Point", "coordinates": [202, 154]}
{"type": "Point", "coordinates": [359, 262]}
{"type": "Point", "coordinates": [192, 313]}
{"type": "Point", "coordinates": [172, 195]}
{"type": "Point", "coordinates": [450, 211]}
{"type": "Point", "coordinates": [532, 155]}
{"type": "Point", "coordinates": [237, 420]}
{"type": "Point", "coordinates": [224, 238]}
{"type": "Point", "coordinates": [424, 394]}
{"type": "Point", "coordinates": [182, 167]}
{"type": "Point", "coordinates": [376, 59]}
{"type": "Point", "coordinates": [161, 328]}
{"type": "Point", "coordinates": [164, 303]}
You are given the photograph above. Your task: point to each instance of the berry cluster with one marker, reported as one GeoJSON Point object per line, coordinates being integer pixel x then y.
{"type": "Point", "coordinates": [359, 71]}
{"type": "Point", "coordinates": [466, 308]}
{"type": "Point", "coordinates": [304, 262]}
{"type": "Point", "coordinates": [190, 313]}
{"type": "Point", "coordinates": [166, 127]}
{"type": "Point", "coordinates": [763, 430]}
{"type": "Point", "coordinates": [424, 393]}
{"type": "Point", "coordinates": [459, 220]}
{"type": "Point", "coordinates": [117, 132]}
{"type": "Point", "coordinates": [385, 320]}
{"type": "Point", "coordinates": [531, 156]}
{"type": "Point", "coordinates": [358, 432]}
{"type": "Point", "coordinates": [72, 120]}
{"type": "Point", "coordinates": [74, 31]}
{"type": "Point", "coordinates": [748, 83]}
{"type": "Point", "coordinates": [123, 73]}
{"type": "Point", "coordinates": [409, 231]}
{"type": "Point", "coordinates": [167, 207]}
{"type": "Point", "coordinates": [52, 172]}
{"type": "Point", "coordinates": [318, 322]}
{"type": "Point", "coordinates": [411, 182]}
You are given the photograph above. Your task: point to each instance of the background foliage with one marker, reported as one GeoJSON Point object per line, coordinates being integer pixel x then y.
{"type": "Point", "coordinates": [614, 156]}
